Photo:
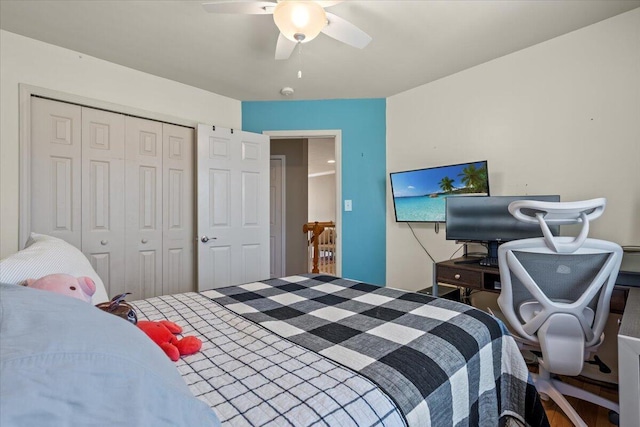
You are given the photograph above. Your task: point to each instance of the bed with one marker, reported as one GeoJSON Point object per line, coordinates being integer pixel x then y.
{"type": "Point", "coordinates": [321, 350]}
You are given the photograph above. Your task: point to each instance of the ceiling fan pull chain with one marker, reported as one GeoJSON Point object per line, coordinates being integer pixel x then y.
{"type": "Point", "coordinates": [300, 60]}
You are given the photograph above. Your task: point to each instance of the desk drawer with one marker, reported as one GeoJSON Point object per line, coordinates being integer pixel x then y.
{"type": "Point", "coordinates": [458, 276]}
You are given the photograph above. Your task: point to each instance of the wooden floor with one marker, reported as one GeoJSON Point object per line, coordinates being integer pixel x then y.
{"type": "Point", "coordinates": [593, 415]}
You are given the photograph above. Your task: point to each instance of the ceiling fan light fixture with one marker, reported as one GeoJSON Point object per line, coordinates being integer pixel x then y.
{"type": "Point", "coordinates": [299, 20]}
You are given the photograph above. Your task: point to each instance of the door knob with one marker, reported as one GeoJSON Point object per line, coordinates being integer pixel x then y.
{"type": "Point", "coordinates": [104, 242]}
{"type": "Point", "coordinates": [144, 241]}
{"type": "Point", "coordinates": [205, 239]}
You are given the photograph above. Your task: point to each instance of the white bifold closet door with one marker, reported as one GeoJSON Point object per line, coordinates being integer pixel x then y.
{"type": "Point", "coordinates": [56, 147]}
{"type": "Point", "coordinates": [143, 176]}
{"type": "Point", "coordinates": [159, 215]}
{"type": "Point", "coordinates": [119, 188]}
{"type": "Point", "coordinates": [178, 207]}
{"type": "Point", "coordinates": [103, 204]}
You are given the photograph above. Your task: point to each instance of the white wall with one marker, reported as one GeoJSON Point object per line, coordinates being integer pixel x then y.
{"type": "Point", "coordinates": [322, 198]}
{"type": "Point", "coordinates": [561, 117]}
{"type": "Point", "coordinates": [24, 60]}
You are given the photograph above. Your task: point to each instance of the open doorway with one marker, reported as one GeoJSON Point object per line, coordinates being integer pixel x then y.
{"type": "Point", "coordinates": [321, 232]}
{"type": "Point", "coordinates": [303, 153]}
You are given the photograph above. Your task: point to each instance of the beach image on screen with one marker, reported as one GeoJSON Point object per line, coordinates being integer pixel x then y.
{"type": "Point", "coordinates": [420, 195]}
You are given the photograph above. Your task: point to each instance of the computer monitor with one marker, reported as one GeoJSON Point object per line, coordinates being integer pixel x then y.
{"type": "Point", "coordinates": [488, 220]}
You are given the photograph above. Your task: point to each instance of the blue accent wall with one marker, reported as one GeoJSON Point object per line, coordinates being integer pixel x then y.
{"type": "Point", "coordinates": [363, 126]}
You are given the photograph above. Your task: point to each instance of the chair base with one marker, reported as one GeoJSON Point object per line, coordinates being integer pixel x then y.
{"type": "Point", "coordinates": [556, 390]}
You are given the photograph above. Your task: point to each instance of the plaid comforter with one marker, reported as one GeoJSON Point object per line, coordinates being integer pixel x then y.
{"type": "Point", "coordinates": [442, 363]}
{"type": "Point", "coordinates": [316, 350]}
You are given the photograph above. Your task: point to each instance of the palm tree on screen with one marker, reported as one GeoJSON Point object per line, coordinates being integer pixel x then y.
{"type": "Point", "coordinates": [446, 184]}
{"type": "Point", "coordinates": [474, 178]}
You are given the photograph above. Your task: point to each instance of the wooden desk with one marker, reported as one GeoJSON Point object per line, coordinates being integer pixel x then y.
{"type": "Point", "coordinates": [475, 276]}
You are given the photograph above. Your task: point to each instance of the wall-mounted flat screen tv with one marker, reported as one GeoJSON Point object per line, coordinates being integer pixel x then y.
{"type": "Point", "coordinates": [419, 195]}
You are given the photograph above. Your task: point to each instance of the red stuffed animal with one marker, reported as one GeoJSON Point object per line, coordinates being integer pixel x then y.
{"type": "Point", "coordinates": [162, 333]}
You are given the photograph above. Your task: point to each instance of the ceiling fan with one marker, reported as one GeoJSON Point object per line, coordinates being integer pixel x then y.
{"type": "Point", "coordinates": [299, 21]}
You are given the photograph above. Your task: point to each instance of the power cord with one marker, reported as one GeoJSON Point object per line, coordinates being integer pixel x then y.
{"type": "Point", "coordinates": [420, 243]}
{"type": "Point", "coordinates": [456, 251]}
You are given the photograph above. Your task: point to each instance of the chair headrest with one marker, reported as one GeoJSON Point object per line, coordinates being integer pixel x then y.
{"type": "Point", "coordinates": [559, 213]}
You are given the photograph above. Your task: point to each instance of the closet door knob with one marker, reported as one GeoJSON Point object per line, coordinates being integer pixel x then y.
{"type": "Point", "coordinates": [104, 242]}
{"type": "Point", "coordinates": [205, 239]}
{"type": "Point", "coordinates": [144, 241]}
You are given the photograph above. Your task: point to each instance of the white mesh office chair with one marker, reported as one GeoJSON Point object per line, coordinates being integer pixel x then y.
{"type": "Point", "coordinates": [555, 294]}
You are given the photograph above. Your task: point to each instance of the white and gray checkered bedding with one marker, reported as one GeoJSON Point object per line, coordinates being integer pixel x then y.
{"type": "Point", "coordinates": [434, 362]}
{"type": "Point", "coordinates": [251, 377]}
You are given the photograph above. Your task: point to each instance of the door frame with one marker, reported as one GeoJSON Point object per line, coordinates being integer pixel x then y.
{"type": "Point", "coordinates": [336, 134]}
{"type": "Point", "coordinates": [283, 192]}
{"type": "Point", "coordinates": [26, 91]}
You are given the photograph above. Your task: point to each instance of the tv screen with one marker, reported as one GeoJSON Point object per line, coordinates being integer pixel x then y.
{"type": "Point", "coordinates": [488, 219]}
{"type": "Point", "coordinates": [419, 195]}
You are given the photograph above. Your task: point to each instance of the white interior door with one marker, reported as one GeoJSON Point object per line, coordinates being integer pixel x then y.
{"type": "Point", "coordinates": [277, 216]}
{"type": "Point", "coordinates": [103, 208]}
{"type": "Point", "coordinates": [233, 207]}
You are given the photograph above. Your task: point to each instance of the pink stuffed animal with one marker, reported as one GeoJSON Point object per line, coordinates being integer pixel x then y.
{"type": "Point", "coordinates": [76, 287]}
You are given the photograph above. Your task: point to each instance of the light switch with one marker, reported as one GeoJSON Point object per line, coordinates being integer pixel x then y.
{"type": "Point", "coordinates": [347, 206]}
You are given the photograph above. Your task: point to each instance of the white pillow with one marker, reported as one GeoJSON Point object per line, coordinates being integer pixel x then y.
{"type": "Point", "coordinates": [46, 255]}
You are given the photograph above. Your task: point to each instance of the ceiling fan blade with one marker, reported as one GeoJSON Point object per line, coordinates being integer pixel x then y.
{"type": "Point", "coordinates": [328, 3]}
{"type": "Point", "coordinates": [245, 7]}
{"type": "Point", "coordinates": [284, 47]}
{"type": "Point", "coordinates": [344, 31]}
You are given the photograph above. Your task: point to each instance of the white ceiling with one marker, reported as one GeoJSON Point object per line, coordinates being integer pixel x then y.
{"type": "Point", "coordinates": [414, 42]}
{"type": "Point", "coordinates": [320, 151]}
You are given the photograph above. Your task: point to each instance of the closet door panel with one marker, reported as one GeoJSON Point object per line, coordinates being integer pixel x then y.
{"type": "Point", "coordinates": [55, 170]}
{"type": "Point", "coordinates": [103, 195]}
{"type": "Point", "coordinates": [143, 176]}
{"type": "Point", "coordinates": [119, 188]}
{"type": "Point", "coordinates": [178, 209]}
